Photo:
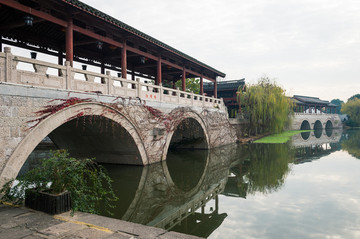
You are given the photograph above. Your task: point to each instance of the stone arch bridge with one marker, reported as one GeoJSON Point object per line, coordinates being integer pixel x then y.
{"type": "Point", "coordinates": [305, 121]}
{"type": "Point", "coordinates": [126, 123]}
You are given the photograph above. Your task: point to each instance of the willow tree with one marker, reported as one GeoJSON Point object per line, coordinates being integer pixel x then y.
{"type": "Point", "coordinates": [352, 109]}
{"type": "Point", "coordinates": [266, 106]}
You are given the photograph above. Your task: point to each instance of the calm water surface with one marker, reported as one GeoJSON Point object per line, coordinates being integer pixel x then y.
{"type": "Point", "coordinates": [304, 189]}
{"type": "Point", "coordinates": [307, 188]}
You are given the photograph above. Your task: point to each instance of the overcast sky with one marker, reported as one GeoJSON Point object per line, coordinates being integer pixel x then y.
{"type": "Point", "coordinates": [311, 47]}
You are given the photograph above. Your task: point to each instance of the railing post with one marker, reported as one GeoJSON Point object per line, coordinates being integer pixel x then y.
{"type": "Point", "coordinates": [108, 81]}
{"type": "Point", "coordinates": [192, 98]}
{"type": "Point", "coordinates": [68, 74]}
{"type": "Point", "coordinates": [138, 87]}
{"type": "Point", "coordinates": [203, 100]}
{"type": "Point", "coordinates": [161, 92]}
{"type": "Point", "coordinates": [8, 65]}
{"type": "Point", "coordinates": [178, 94]}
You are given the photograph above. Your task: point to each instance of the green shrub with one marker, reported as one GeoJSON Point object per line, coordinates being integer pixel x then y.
{"type": "Point", "coordinates": [87, 182]}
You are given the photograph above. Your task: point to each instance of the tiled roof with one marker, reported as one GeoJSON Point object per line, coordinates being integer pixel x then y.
{"type": "Point", "coordinates": [225, 85]}
{"type": "Point", "coordinates": [134, 31]}
{"type": "Point", "coordinates": [311, 100]}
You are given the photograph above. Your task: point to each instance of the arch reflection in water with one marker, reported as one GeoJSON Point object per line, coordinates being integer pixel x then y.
{"type": "Point", "coordinates": [329, 131]}
{"type": "Point", "coordinates": [186, 168]}
{"type": "Point", "coordinates": [305, 135]}
{"type": "Point", "coordinates": [318, 133]}
{"type": "Point", "coordinates": [157, 197]}
{"type": "Point", "coordinates": [316, 137]}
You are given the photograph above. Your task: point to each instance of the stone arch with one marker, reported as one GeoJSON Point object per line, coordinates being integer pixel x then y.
{"type": "Point", "coordinates": [329, 125]}
{"type": "Point", "coordinates": [318, 125]}
{"type": "Point", "coordinates": [49, 124]}
{"type": "Point", "coordinates": [305, 125]}
{"type": "Point", "coordinates": [187, 115]}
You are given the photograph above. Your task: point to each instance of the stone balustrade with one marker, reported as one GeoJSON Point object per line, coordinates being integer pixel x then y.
{"type": "Point", "coordinates": [110, 85]}
{"type": "Point", "coordinates": [318, 113]}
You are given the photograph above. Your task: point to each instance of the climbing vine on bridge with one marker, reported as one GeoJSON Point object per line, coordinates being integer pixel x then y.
{"type": "Point", "coordinates": [52, 109]}
{"type": "Point", "coordinates": [119, 104]}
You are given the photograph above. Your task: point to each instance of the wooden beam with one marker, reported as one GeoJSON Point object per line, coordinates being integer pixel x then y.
{"type": "Point", "coordinates": [81, 43]}
{"type": "Point", "coordinates": [31, 11]}
{"type": "Point", "coordinates": [19, 24]}
{"type": "Point", "coordinates": [145, 66]}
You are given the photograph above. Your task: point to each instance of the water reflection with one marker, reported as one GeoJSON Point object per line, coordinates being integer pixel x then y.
{"type": "Point", "coordinates": [186, 193]}
{"type": "Point", "coordinates": [351, 143]}
{"type": "Point", "coordinates": [318, 133]}
{"type": "Point", "coordinates": [264, 170]}
{"type": "Point", "coordinates": [305, 135]}
{"type": "Point", "coordinates": [174, 192]}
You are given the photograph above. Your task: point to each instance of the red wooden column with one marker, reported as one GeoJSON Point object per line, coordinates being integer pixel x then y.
{"type": "Point", "coordinates": [123, 61]}
{"type": "Point", "coordinates": [183, 80]}
{"type": "Point", "coordinates": [215, 88]}
{"type": "Point", "coordinates": [158, 78]}
{"type": "Point", "coordinates": [69, 42]}
{"type": "Point", "coordinates": [201, 85]}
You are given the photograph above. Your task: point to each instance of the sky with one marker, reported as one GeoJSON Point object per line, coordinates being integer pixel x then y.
{"type": "Point", "coordinates": [310, 47]}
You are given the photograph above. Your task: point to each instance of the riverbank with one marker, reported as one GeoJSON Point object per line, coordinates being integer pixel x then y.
{"type": "Point", "coordinates": [21, 222]}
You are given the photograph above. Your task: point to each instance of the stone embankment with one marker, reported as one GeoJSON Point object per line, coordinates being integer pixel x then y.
{"type": "Point", "coordinates": [20, 222]}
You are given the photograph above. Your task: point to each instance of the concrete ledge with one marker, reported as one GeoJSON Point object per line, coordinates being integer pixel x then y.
{"type": "Point", "coordinates": [20, 222]}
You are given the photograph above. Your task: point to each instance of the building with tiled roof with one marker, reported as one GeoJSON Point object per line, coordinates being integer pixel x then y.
{"type": "Point", "coordinates": [308, 104]}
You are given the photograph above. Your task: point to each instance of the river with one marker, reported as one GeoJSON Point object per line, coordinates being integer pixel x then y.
{"type": "Point", "coordinates": [306, 188]}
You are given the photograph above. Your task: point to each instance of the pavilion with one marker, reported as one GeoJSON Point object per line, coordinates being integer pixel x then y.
{"type": "Point", "coordinates": [74, 31]}
{"type": "Point", "coordinates": [226, 90]}
{"type": "Point", "coordinates": [307, 104]}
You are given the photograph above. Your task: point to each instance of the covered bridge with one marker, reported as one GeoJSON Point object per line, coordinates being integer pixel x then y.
{"type": "Point", "coordinates": [312, 105]}
{"type": "Point", "coordinates": [74, 31]}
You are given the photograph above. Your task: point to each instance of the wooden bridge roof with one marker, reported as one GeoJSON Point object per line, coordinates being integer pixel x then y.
{"type": "Point", "coordinates": [48, 31]}
{"type": "Point", "coordinates": [310, 100]}
{"type": "Point", "coordinates": [225, 85]}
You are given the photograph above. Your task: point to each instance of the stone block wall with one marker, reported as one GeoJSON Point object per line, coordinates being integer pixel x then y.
{"type": "Point", "coordinates": [22, 128]}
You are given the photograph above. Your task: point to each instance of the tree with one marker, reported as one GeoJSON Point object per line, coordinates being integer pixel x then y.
{"type": "Point", "coordinates": [357, 96]}
{"type": "Point", "coordinates": [267, 107]}
{"type": "Point", "coordinates": [352, 109]}
{"type": "Point", "coordinates": [352, 143]}
{"type": "Point", "coordinates": [338, 103]}
{"type": "Point", "coordinates": [192, 84]}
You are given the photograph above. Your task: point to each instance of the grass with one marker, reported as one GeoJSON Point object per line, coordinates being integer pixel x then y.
{"type": "Point", "coordinates": [279, 138]}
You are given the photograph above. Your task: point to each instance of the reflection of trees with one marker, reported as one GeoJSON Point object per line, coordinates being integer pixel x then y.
{"type": "Point", "coordinates": [268, 167]}
{"type": "Point", "coordinates": [352, 143]}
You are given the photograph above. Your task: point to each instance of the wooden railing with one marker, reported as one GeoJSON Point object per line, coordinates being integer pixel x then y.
{"type": "Point", "coordinates": [106, 84]}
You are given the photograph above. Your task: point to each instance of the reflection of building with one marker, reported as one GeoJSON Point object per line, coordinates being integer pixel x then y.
{"type": "Point", "coordinates": [226, 90]}
{"type": "Point", "coordinates": [200, 223]}
{"type": "Point", "coordinates": [314, 152]}
{"type": "Point", "coordinates": [312, 105]}
{"type": "Point", "coordinates": [236, 186]}
{"type": "Point", "coordinates": [309, 146]}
